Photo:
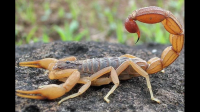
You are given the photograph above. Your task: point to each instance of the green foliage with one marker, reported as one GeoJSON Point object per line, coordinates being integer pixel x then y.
{"type": "Point", "coordinates": [26, 10]}
{"type": "Point", "coordinates": [79, 20]}
{"type": "Point", "coordinates": [74, 10]}
{"type": "Point", "coordinates": [160, 3]}
{"type": "Point", "coordinates": [153, 33]}
{"type": "Point", "coordinates": [61, 12]}
{"type": "Point", "coordinates": [45, 38]}
{"type": "Point", "coordinates": [68, 33]}
{"type": "Point", "coordinates": [30, 34]}
{"type": "Point", "coordinates": [176, 4]}
{"type": "Point", "coordinates": [120, 34]}
{"type": "Point", "coordinates": [47, 12]}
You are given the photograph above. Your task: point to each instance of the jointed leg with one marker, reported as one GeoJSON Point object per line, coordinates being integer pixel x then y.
{"type": "Point", "coordinates": [71, 58]}
{"type": "Point", "coordinates": [115, 80]}
{"type": "Point", "coordinates": [128, 56]}
{"type": "Point", "coordinates": [59, 74]}
{"type": "Point", "coordinates": [101, 81]}
{"type": "Point", "coordinates": [113, 76]}
{"type": "Point", "coordinates": [97, 82]}
{"type": "Point", "coordinates": [140, 71]}
{"type": "Point", "coordinates": [86, 85]}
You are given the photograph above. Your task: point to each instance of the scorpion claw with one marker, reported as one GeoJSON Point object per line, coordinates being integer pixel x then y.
{"type": "Point", "coordinates": [47, 92]}
{"type": "Point", "coordinates": [46, 63]}
{"type": "Point", "coordinates": [29, 96]}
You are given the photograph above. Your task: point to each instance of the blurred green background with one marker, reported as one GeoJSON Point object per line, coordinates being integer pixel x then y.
{"type": "Point", "coordinates": [84, 20]}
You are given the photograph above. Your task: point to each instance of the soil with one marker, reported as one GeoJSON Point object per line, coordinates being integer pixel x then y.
{"type": "Point", "coordinates": [131, 95]}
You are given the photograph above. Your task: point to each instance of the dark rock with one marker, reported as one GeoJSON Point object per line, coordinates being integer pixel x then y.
{"type": "Point", "coordinates": [31, 108]}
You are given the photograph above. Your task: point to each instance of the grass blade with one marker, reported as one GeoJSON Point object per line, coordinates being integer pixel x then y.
{"type": "Point", "coordinates": [30, 34]}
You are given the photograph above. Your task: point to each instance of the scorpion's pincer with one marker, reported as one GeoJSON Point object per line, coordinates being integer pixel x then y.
{"type": "Point", "coordinates": [52, 91]}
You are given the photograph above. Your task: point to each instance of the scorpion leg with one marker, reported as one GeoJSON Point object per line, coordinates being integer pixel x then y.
{"type": "Point", "coordinates": [98, 82]}
{"type": "Point", "coordinates": [128, 56]}
{"type": "Point", "coordinates": [86, 85]}
{"type": "Point", "coordinates": [59, 74]}
{"type": "Point", "coordinates": [113, 76]}
{"type": "Point", "coordinates": [101, 81]}
{"type": "Point", "coordinates": [71, 58]}
{"type": "Point", "coordinates": [51, 91]}
{"type": "Point", "coordinates": [143, 73]}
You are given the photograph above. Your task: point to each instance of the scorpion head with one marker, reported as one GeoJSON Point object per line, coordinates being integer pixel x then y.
{"type": "Point", "coordinates": [66, 65]}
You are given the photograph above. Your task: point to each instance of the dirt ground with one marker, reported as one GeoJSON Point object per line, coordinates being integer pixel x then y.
{"type": "Point", "coordinates": [131, 95]}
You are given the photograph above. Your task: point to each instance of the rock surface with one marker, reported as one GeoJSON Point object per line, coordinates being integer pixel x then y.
{"type": "Point", "coordinates": [131, 95]}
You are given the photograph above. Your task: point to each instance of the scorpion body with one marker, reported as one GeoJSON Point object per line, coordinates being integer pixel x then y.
{"type": "Point", "coordinates": [94, 65]}
{"type": "Point", "coordinates": [101, 71]}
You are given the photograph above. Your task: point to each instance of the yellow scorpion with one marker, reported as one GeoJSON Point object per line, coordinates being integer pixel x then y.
{"type": "Point", "coordinates": [109, 69]}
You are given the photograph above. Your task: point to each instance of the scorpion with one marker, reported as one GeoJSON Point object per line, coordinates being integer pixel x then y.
{"type": "Point", "coordinates": [105, 70]}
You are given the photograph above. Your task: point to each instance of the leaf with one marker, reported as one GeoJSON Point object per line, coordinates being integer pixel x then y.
{"type": "Point", "coordinates": [120, 33]}
{"type": "Point", "coordinates": [30, 34]}
{"type": "Point", "coordinates": [45, 38]}
{"type": "Point", "coordinates": [60, 32]}
{"type": "Point", "coordinates": [35, 39]}
{"type": "Point", "coordinates": [68, 33]}
{"type": "Point", "coordinates": [80, 35]}
{"type": "Point", "coordinates": [61, 12]}
{"type": "Point", "coordinates": [19, 43]}
{"type": "Point", "coordinates": [73, 26]}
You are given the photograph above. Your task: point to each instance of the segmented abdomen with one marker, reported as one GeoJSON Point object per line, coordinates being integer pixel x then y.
{"type": "Point", "coordinates": [96, 64]}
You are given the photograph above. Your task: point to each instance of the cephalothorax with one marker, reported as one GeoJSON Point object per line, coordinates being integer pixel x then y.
{"type": "Point", "coordinates": [109, 69]}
